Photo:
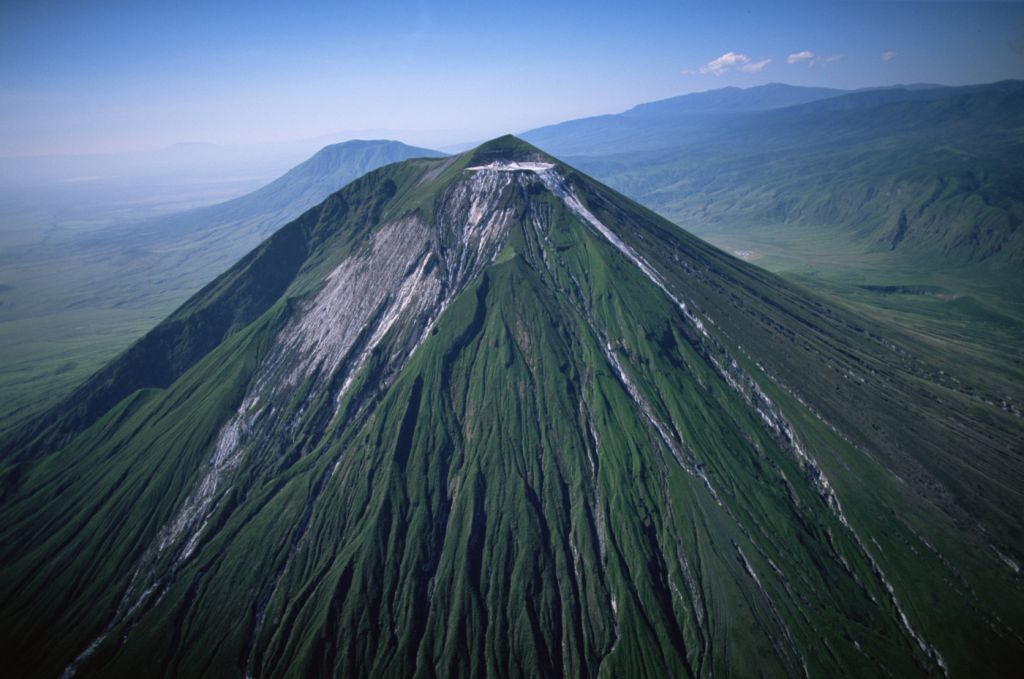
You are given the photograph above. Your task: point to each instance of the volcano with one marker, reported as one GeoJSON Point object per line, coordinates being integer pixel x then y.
{"type": "Point", "coordinates": [482, 415]}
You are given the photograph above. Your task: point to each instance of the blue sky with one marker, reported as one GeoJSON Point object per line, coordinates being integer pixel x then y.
{"type": "Point", "coordinates": [93, 77]}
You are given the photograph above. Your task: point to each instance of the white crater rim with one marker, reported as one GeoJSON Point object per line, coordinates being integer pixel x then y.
{"type": "Point", "coordinates": [512, 166]}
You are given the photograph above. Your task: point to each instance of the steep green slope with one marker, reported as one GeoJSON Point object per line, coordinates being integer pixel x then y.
{"type": "Point", "coordinates": [903, 203]}
{"type": "Point", "coordinates": [492, 417]}
{"type": "Point", "coordinates": [75, 305]}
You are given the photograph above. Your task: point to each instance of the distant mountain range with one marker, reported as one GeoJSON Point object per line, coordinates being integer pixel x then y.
{"type": "Point", "coordinates": [655, 124]}
{"type": "Point", "coordinates": [484, 416]}
{"type": "Point", "coordinates": [936, 173]}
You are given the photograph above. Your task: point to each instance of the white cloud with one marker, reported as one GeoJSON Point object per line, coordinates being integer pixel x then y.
{"type": "Point", "coordinates": [755, 66]}
{"type": "Point", "coordinates": [724, 63]}
{"type": "Point", "coordinates": [734, 60]}
{"type": "Point", "coordinates": [889, 55]}
{"type": "Point", "coordinates": [811, 58]}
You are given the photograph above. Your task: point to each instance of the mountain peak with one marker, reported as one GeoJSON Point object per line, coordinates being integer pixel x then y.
{"type": "Point", "coordinates": [508, 148]}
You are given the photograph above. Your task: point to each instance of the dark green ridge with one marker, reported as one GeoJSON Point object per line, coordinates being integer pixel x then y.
{"type": "Point", "coordinates": [504, 504]}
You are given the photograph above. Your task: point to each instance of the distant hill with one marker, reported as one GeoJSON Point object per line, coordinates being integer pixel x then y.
{"type": "Point", "coordinates": [252, 217]}
{"type": "Point", "coordinates": [732, 100]}
{"type": "Point", "coordinates": [936, 173]}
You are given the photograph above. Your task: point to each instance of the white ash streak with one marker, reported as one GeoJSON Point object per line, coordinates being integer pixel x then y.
{"type": "Point", "coordinates": [769, 412]}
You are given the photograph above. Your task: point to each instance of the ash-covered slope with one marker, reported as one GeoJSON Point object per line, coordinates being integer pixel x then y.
{"type": "Point", "coordinates": [484, 415]}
